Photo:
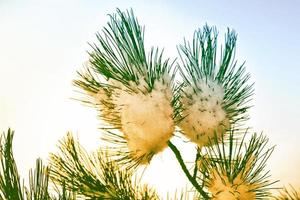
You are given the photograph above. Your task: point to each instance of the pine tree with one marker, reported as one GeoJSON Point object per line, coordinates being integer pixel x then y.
{"type": "Point", "coordinates": [143, 100]}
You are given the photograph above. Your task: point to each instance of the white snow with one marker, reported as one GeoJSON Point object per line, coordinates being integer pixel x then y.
{"type": "Point", "coordinates": [146, 118]}
{"type": "Point", "coordinates": [204, 113]}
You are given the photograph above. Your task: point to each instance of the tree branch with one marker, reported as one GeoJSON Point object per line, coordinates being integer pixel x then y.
{"type": "Point", "coordinates": [186, 171]}
{"type": "Point", "coordinates": [196, 166]}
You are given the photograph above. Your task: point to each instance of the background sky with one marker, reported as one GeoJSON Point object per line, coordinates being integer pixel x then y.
{"type": "Point", "coordinates": [43, 43]}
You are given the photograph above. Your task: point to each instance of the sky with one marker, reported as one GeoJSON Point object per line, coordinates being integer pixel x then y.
{"type": "Point", "coordinates": [44, 43]}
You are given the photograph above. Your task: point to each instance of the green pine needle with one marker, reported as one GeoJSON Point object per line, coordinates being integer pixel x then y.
{"type": "Point", "coordinates": [10, 184]}
{"type": "Point", "coordinates": [94, 176]}
{"type": "Point", "coordinates": [120, 55]}
{"type": "Point", "coordinates": [237, 163]}
{"type": "Point", "coordinates": [38, 183]}
{"type": "Point", "coordinates": [199, 61]}
{"type": "Point", "coordinates": [288, 193]}
{"type": "Point", "coordinates": [119, 62]}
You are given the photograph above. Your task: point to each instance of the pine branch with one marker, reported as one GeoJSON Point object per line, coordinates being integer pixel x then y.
{"type": "Point", "coordinates": [93, 176]}
{"type": "Point", "coordinates": [186, 171]}
{"type": "Point", "coordinates": [288, 193]}
{"type": "Point", "coordinates": [120, 55]}
{"type": "Point", "coordinates": [120, 77]}
{"type": "Point", "coordinates": [236, 169]}
{"type": "Point", "coordinates": [214, 95]}
{"type": "Point", "coordinates": [196, 161]}
{"type": "Point", "coordinates": [38, 183]}
{"type": "Point", "coordinates": [10, 185]}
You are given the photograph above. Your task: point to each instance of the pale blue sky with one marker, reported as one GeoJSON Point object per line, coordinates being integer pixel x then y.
{"type": "Point", "coordinates": [43, 43]}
